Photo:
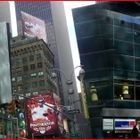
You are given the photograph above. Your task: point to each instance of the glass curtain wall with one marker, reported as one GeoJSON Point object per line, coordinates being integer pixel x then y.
{"type": "Point", "coordinates": [109, 48]}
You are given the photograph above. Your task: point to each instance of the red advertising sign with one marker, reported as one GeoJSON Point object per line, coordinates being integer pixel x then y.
{"type": "Point", "coordinates": [41, 117]}
{"type": "Point", "coordinates": [33, 26]}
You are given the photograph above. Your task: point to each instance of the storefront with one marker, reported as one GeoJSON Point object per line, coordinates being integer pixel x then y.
{"type": "Point", "coordinates": [118, 128]}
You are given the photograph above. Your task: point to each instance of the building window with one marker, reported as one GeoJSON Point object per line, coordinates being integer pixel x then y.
{"type": "Point", "coordinates": [19, 87]}
{"type": "Point", "coordinates": [19, 78]}
{"type": "Point", "coordinates": [18, 62]}
{"type": "Point", "coordinates": [34, 84]}
{"type": "Point", "coordinates": [33, 74]}
{"type": "Point", "coordinates": [31, 57]}
{"type": "Point", "coordinates": [24, 60]}
{"type": "Point", "coordinates": [40, 73]}
{"type": "Point", "coordinates": [39, 65]}
{"type": "Point", "coordinates": [28, 94]}
{"type": "Point", "coordinates": [38, 56]}
{"type": "Point", "coordinates": [25, 77]}
{"type": "Point", "coordinates": [41, 83]}
{"type": "Point", "coordinates": [32, 66]}
{"type": "Point", "coordinates": [25, 68]}
{"type": "Point", "coordinates": [21, 97]}
{"type": "Point", "coordinates": [13, 79]}
{"type": "Point", "coordinates": [35, 93]}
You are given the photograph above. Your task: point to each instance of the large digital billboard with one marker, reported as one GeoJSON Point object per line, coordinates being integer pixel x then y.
{"type": "Point", "coordinates": [42, 115]}
{"type": "Point", "coordinates": [33, 26]}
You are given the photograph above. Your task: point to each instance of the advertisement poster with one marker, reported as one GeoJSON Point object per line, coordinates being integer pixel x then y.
{"type": "Point", "coordinates": [41, 115]}
{"type": "Point", "coordinates": [33, 26]}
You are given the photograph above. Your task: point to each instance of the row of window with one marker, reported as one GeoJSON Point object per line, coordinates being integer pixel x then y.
{"type": "Point", "coordinates": [119, 91]}
{"type": "Point", "coordinates": [32, 66]}
{"type": "Point", "coordinates": [35, 84]}
{"type": "Point", "coordinates": [26, 77]}
{"type": "Point", "coordinates": [27, 95]}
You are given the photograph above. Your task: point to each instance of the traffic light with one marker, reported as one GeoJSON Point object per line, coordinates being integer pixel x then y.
{"type": "Point", "coordinates": [11, 107]}
{"type": "Point", "coordinates": [18, 106]}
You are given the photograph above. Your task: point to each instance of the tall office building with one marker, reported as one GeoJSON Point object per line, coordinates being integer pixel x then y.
{"type": "Point", "coordinates": [41, 10]}
{"type": "Point", "coordinates": [31, 62]}
{"type": "Point", "coordinates": [108, 42]}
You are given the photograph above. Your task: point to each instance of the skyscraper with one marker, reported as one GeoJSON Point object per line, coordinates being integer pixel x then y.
{"type": "Point", "coordinates": [108, 41]}
{"type": "Point", "coordinates": [40, 10]}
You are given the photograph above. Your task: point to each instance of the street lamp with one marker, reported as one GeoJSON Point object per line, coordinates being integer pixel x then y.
{"type": "Point", "coordinates": [69, 83]}
{"type": "Point", "coordinates": [83, 94]}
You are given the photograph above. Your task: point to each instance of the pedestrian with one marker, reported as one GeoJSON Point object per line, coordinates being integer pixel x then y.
{"type": "Point", "coordinates": [135, 132]}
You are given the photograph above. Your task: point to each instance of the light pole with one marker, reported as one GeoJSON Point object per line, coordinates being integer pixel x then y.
{"type": "Point", "coordinates": [68, 81]}
{"type": "Point", "coordinates": [83, 94]}
{"type": "Point", "coordinates": [69, 84]}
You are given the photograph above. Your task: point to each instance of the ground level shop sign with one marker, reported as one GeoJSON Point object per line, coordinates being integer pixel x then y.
{"type": "Point", "coordinates": [107, 124]}
{"type": "Point", "coordinates": [124, 124]}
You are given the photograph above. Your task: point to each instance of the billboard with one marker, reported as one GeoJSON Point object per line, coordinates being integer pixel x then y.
{"type": "Point", "coordinates": [33, 26]}
{"type": "Point", "coordinates": [41, 117]}
{"type": "Point", "coordinates": [124, 124]}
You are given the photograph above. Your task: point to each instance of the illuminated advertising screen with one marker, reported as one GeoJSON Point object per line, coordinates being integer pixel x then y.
{"type": "Point", "coordinates": [41, 115]}
{"type": "Point", "coordinates": [33, 26]}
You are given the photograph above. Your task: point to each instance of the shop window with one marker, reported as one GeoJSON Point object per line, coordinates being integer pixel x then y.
{"type": "Point", "coordinates": [123, 92]}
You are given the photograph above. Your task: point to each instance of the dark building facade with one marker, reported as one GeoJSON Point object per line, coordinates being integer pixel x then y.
{"type": "Point", "coordinates": [31, 63]}
{"type": "Point", "coordinates": [109, 46]}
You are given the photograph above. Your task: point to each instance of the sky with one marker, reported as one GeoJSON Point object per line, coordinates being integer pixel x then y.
{"type": "Point", "coordinates": [69, 5]}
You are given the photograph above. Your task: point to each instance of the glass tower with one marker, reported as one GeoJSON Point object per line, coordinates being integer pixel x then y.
{"type": "Point", "coordinates": [109, 47]}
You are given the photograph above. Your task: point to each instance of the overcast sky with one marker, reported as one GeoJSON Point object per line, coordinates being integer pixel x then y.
{"type": "Point", "coordinates": [74, 48]}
